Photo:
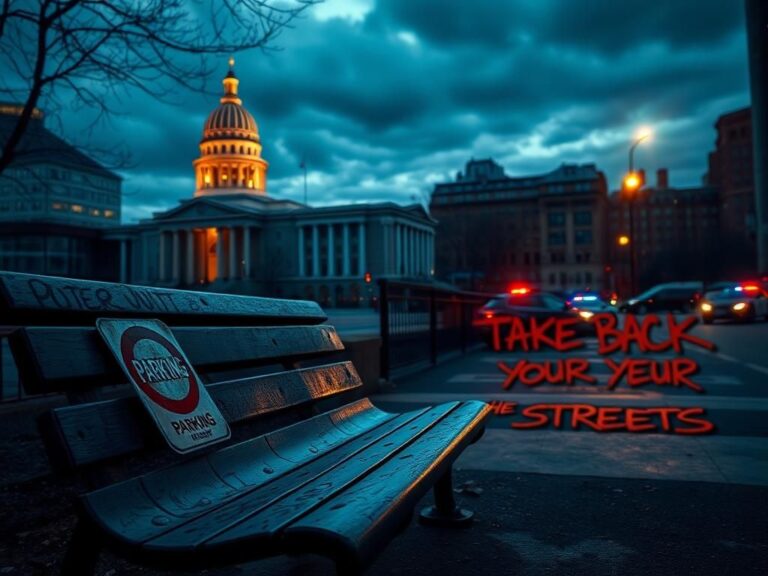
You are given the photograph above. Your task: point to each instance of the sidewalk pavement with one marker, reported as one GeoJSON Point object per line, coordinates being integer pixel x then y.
{"type": "Point", "coordinates": [546, 502]}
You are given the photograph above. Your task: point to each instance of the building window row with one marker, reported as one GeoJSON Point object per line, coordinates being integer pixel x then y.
{"type": "Point", "coordinates": [233, 149]}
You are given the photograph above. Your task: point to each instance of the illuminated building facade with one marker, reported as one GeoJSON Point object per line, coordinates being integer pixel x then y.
{"type": "Point", "coordinates": [230, 151]}
{"type": "Point", "coordinates": [54, 203]}
{"type": "Point", "coordinates": [546, 230]}
{"type": "Point", "coordinates": [234, 237]}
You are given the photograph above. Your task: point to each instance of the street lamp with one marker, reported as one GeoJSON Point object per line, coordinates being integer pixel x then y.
{"type": "Point", "coordinates": [632, 184]}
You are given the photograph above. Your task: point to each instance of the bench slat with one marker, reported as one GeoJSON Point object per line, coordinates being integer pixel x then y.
{"type": "Point", "coordinates": [263, 523]}
{"type": "Point", "coordinates": [88, 433]}
{"type": "Point", "coordinates": [375, 507]}
{"type": "Point", "coordinates": [32, 299]}
{"type": "Point", "coordinates": [244, 466]}
{"type": "Point", "coordinates": [326, 471]}
{"type": "Point", "coordinates": [52, 359]}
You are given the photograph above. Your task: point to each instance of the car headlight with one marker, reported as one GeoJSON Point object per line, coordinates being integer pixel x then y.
{"type": "Point", "coordinates": [706, 307]}
{"type": "Point", "coordinates": [631, 302]}
{"type": "Point", "coordinates": [586, 314]}
{"type": "Point", "coordinates": [739, 306]}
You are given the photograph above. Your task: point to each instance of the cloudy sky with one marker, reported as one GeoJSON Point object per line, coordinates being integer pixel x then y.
{"type": "Point", "coordinates": [386, 97]}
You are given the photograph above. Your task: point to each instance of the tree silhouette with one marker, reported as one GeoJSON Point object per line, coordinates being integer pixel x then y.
{"type": "Point", "coordinates": [91, 50]}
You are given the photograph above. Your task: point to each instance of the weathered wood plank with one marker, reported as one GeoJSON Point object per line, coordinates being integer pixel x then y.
{"type": "Point", "coordinates": [190, 534]}
{"type": "Point", "coordinates": [31, 298]}
{"type": "Point", "coordinates": [92, 432]}
{"type": "Point", "coordinates": [361, 519]}
{"type": "Point", "coordinates": [55, 358]}
{"type": "Point", "coordinates": [244, 467]}
{"type": "Point", "coordinates": [264, 513]}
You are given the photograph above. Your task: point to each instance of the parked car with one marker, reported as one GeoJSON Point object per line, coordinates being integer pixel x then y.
{"type": "Point", "coordinates": [670, 297]}
{"type": "Point", "coordinates": [526, 303]}
{"type": "Point", "coordinates": [587, 304]}
{"type": "Point", "coordinates": [743, 302]}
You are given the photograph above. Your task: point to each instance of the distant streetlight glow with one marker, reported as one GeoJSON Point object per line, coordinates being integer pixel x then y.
{"type": "Point", "coordinates": [632, 182]}
{"type": "Point", "coordinates": [643, 133]}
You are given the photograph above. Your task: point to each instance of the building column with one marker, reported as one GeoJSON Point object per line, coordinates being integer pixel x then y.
{"type": "Point", "coordinates": [220, 264]}
{"type": "Point", "coordinates": [189, 276]}
{"type": "Point", "coordinates": [246, 251]}
{"type": "Point", "coordinates": [345, 250]}
{"type": "Point", "coordinates": [361, 248]}
{"type": "Point", "coordinates": [176, 257]}
{"type": "Point", "coordinates": [123, 260]}
{"type": "Point", "coordinates": [144, 259]}
{"type": "Point", "coordinates": [416, 252]}
{"type": "Point", "coordinates": [331, 253]}
{"type": "Point", "coordinates": [302, 252]}
{"type": "Point", "coordinates": [428, 252]}
{"type": "Point", "coordinates": [406, 251]}
{"type": "Point", "coordinates": [419, 252]}
{"type": "Point", "coordinates": [315, 251]}
{"type": "Point", "coordinates": [161, 257]}
{"type": "Point", "coordinates": [398, 250]}
{"type": "Point", "coordinates": [386, 256]}
{"type": "Point", "coordinates": [232, 247]}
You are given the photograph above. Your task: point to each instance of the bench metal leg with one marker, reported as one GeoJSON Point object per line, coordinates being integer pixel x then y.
{"type": "Point", "coordinates": [83, 552]}
{"type": "Point", "coordinates": [445, 512]}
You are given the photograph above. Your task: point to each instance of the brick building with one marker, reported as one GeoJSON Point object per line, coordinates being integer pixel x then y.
{"type": "Point", "coordinates": [676, 234]}
{"type": "Point", "coordinates": [731, 170]}
{"type": "Point", "coordinates": [547, 230]}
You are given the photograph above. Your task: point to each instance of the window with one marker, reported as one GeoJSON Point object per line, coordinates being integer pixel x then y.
{"type": "Point", "coordinates": [556, 219]}
{"type": "Point", "coordinates": [582, 218]}
{"type": "Point", "coordinates": [552, 303]}
{"type": "Point", "coordinates": [583, 237]}
{"type": "Point", "coordinates": [556, 238]}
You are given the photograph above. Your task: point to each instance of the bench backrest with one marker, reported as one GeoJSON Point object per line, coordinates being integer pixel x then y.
{"type": "Point", "coordinates": [247, 349]}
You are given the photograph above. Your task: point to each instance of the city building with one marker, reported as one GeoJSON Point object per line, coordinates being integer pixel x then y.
{"type": "Point", "coordinates": [756, 12]}
{"type": "Point", "coordinates": [54, 203]}
{"type": "Point", "coordinates": [731, 170]}
{"type": "Point", "coordinates": [546, 230]}
{"type": "Point", "coordinates": [232, 236]}
{"type": "Point", "coordinates": [675, 235]}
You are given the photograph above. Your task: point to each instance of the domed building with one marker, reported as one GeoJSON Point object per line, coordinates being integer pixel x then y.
{"type": "Point", "coordinates": [230, 151]}
{"type": "Point", "coordinates": [231, 236]}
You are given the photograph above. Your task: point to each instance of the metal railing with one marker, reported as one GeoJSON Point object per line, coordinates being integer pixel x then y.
{"type": "Point", "coordinates": [420, 324]}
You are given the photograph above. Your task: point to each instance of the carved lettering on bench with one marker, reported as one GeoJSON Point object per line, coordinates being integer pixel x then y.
{"type": "Point", "coordinates": [82, 296]}
{"type": "Point", "coordinates": [32, 292]}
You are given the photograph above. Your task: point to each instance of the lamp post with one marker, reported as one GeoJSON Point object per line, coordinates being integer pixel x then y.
{"type": "Point", "coordinates": [632, 184]}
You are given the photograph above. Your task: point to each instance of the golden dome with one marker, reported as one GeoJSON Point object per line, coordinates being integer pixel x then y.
{"type": "Point", "coordinates": [230, 159]}
{"type": "Point", "coordinates": [230, 119]}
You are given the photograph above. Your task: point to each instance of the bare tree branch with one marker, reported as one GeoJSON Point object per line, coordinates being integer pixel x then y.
{"type": "Point", "coordinates": [97, 49]}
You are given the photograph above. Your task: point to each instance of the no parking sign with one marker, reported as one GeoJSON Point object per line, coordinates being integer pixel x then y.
{"type": "Point", "coordinates": [166, 382]}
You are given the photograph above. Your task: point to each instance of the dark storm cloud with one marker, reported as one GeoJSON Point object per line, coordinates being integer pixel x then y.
{"type": "Point", "coordinates": [383, 99]}
{"type": "Point", "coordinates": [605, 25]}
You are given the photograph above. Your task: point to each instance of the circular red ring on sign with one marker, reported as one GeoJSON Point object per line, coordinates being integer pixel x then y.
{"type": "Point", "coordinates": [128, 341]}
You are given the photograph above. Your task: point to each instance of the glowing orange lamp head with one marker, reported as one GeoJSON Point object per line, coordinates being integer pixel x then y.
{"type": "Point", "coordinates": [631, 182]}
{"type": "Point", "coordinates": [623, 240]}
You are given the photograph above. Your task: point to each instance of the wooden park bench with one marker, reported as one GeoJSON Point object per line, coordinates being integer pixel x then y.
{"type": "Point", "coordinates": [303, 472]}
